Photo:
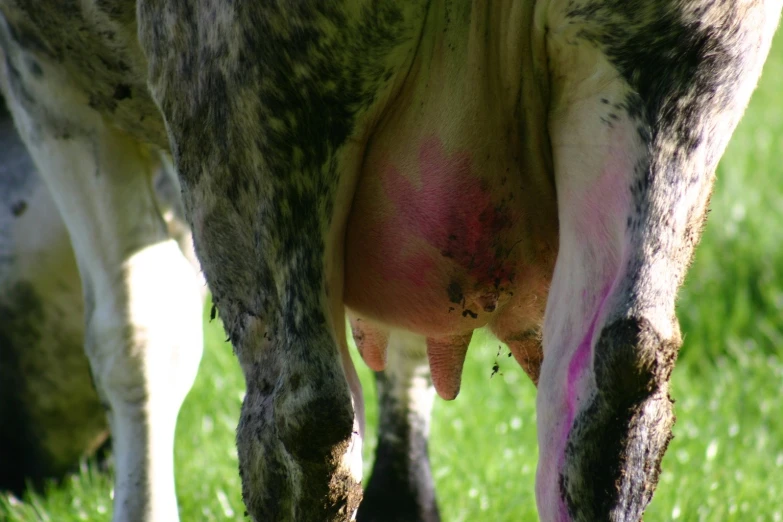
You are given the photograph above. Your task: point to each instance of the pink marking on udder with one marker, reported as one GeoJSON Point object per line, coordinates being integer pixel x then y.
{"type": "Point", "coordinates": [418, 268]}
{"type": "Point", "coordinates": [448, 209]}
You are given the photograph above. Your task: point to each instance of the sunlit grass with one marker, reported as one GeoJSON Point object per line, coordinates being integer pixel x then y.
{"type": "Point", "coordinates": [724, 464]}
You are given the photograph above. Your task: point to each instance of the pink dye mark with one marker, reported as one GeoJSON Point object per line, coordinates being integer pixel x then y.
{"type": "Point", "coordinates": [450, 210]}
{"type": "Point", "coordinates": [607, 197]}
{"type": "Point", "coordinates": [579, 362]}
{"type": "Point", "coordinates": [598, 209]}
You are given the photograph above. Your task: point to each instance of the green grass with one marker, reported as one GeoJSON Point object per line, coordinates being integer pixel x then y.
{"type": "Point", "coordinates": [725, 463]}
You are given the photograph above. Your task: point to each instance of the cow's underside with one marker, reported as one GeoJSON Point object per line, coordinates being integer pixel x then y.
{"type": "Point", "coordinates": [540, 168]}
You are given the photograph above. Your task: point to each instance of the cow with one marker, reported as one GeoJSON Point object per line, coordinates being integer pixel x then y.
{"type": "Point", "coordinates": [425, 168]}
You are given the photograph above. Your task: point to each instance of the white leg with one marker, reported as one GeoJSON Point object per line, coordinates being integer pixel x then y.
{"type": "Point", "coordinates": [142, 297]}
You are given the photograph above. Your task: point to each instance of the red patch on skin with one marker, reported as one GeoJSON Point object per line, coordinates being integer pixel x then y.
{"type": "Point", "coordinates": [451, 211]}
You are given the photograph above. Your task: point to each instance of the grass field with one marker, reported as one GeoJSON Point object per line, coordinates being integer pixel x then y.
{"type": "Point", "coordinates": [725, 463]}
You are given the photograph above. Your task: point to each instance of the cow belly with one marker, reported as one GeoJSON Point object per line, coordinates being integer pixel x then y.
{"type": "Point", "coordinates": [453, 222]}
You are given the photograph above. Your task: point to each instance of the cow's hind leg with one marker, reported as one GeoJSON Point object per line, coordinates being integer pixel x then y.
{"type": "Point", "coordinates": [141, 296]}
{"type": "Point", "coordinates": [643, 103]}
{"type": "Point", "coordinates": [268, 217]}
{"type": "Point", "coordinates": [401, 487]}
{"type": "Point", "coordinates": [268, 144]}
{"type": "Point", "coordinates": [50, 415]}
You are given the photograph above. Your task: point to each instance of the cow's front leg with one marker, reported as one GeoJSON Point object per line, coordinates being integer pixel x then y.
{"type": "Point", "coordinates": [638, 119]}
{"type": "Point", "coordinates": [401, 486]}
